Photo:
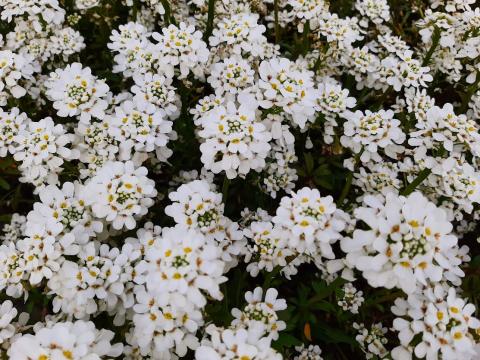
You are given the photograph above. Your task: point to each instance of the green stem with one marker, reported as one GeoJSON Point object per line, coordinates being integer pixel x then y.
{"type": "Point", "coordinates": [468, 95]}
{"type": "Point", "coordinates": [270, 276]}
{"type": "Point", "coordinates": [211, 14]}
{"type": "Point", "coordinates": [277, 25]}
{"type": "Point", "coordinates": [435, 42]}
{"type": "Point", "coordinates": [417, 181]}
{"type": "Point", "coordinates": [225, 186]}
{"type": "Point", "coordinates": [348, 183]}
{"type": "Point", "coordinates": [167, 17]}
{"type": "Point", "coordinates": [306, 41]}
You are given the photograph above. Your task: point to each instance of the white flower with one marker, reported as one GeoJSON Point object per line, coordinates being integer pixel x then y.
{"type": "Point", "coordinates": [127, 36]}
{"type": "Point", "coordinates": [182, 46]}
{"type": "Point", "coordinates": [155, 93]}
{"type": "Point", "coordinates": [378, 178]}
{"type": "Point", "coordinates": [458, 181]}
{"type": "Point", "coordinates": [14, 68]}
{"type": "Point", "coordinates": [286, 87]}
{"type": "Point", "coordinates": [7, 313]}
{"type": "Point", "coordinates": [240, 33]}
{"type": "Point", "coordinates": [50, 10]}
{"type": "Point", "coordinates": [406, 71]}
{"type": "Point", "coordinates": [364, 65]}
{"type": "Point", "coordinates": [11, 123]}
{"type": "Point", "coordinates": [332, 99]}
{"type": "Point", "coordinates": [66, 42]}
{"type": "Point", "coordinates": [309, 10]}
{"type": "Point", "coordinates": [408, 243]}
{"type": "Point", "coordinates": [196, 207]}
{"type": "Point", "coordinates": [263, 311]}
{"type": "Point", "coordinates": [77, 340]}
{"type": "Point", "coordinates": [164, 330]}
{"type": "Point", "coordinates": [204, 106]}
{"type": "Point", "coordinates": [443, 321]}
{"type": "Point", "coordinates": [312, 352]}
{"type": "Point", "coordinates": [234, 141]}
{"type": "Point", "coordinates": [373, 340]}
{"type": "Point", "coordinates": [371, 131]}
{"type": "Point", "coordinates": [418, 102]}
{"type": "Point", "coordinates": [41, 252]}
{"type": "Point", "coordinates": [443, 127]}
{"type": "Point", "coordinates": [235, 344]}
{"type": "Point", "coordinates": [377, 11]}
{"type": "Point", "coordinates": [63, 212]}
{"type": "Point", "coordinates": [182, 262]}
{"type": "Point", "coordinates": [339, 32]}
{"type": "Point", "coordinates": [14, 230]}
{"type": "Point", "coordinates": [268, 247]}
{"type": "Point", "coordinates": [352, 298]}
{"type": "Point", "coordinates": [41, 150]}
{"type": "Point", "coordinates": [231, 76]}
{"type": "Point", "coordinates": [120, 193]}
{"type": "Point", "coordinates": [76, 92]}
{"type": "Point", "coordinates": [138, 132]}
{"type": "Point", "coordinates": [12, 270]}
{"type": "Point", "coordinates": [97, 281]}
{"type": "Point", "coordinates": [96, 146]}
{"type": "Point", "coordinates": [313, 222]}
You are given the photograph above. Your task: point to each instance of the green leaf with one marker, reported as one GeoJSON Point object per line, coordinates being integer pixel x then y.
{"type": "Point", "coordinates": [287, 340]}
{"type": "Point", "coordinates": [309, 162]}
{"type": "Point", "coordinates": [4, 184]}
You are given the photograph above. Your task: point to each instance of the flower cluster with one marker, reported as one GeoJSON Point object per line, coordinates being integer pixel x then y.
{"type": "Point", "coordinates": [159, 159]}
{"type": "Point", "coordinates": [250, 333]}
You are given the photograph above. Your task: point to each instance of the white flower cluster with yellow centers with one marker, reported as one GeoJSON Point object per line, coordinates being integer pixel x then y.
{"type": "Point", "coordinates": [444, 321]}
{"type": "Point", "coordinates": [408, 243]}
{"type": "Point", "coordinates": [133, 133]}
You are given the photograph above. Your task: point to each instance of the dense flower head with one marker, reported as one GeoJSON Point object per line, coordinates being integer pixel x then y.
{"type": "Point", "coordinates": [119, 192]}
{"type": "Point", "coordinates": [371, 132]}
{"type": "Point", "coordinates": [261, 311]}
{"type": "Point", "coordinates": [76, 92]}
{"type": "Point", "coordinates": [155, 92]}
{"type": "Point", "coordinates": [235, 142]}
{"type": "Point", "coordinates": [444, 321]}
{"type": "Point", "coordinates": [41, 149]}
{"type": "Point", "coordinates": [284, 86]}
{"type": "Point", "coordinates": [75, 340]}
{"type": "Point", "coordinates": [189, 265]}
{"type": "Point", "coordinates": [268, 247]}
{"type": "Point", "coordinates": [11, 124]}
{"type": "Point", "coordinates": [231, 76]}
{"type": "Point", "coordinates": [240, 33]}
{"type": "Point", "coordinates": [235, 344]}
{"type": "Point", "coordinates": [313, 222]}
{"type": "Point", "coordinates": [138, 131]}
{"type": "Point", "coordinates": [182, 46]}
{"type": "Point", "coordinates": [409, 241]}
{"type": "Point", "coordinates": [64, 213]}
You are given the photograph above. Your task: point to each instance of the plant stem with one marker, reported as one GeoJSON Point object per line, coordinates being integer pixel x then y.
{"type": "Point", "coordinates": [306, 41]}
{"type": "Point", "coordinates": [211, 14]}
{"type": "Point", "coordinates": [277, 26]}
{"type": "Point", "coordinates": [167, 17]}
{"type": "Point", "coordinates": [435, 42]}
{"type": "Point", "coordinates": [417, 181]}
{"type": "Point", "coordinates": [348, 183]}
{"type": "Point", "coordinates": [225, 186]}
{"type": "Point", "coordinates": [269, 277]}
{"type": "Point", "coordinates": [470, 91]}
